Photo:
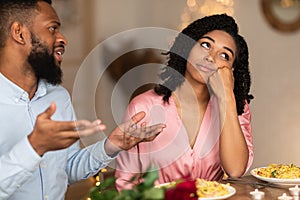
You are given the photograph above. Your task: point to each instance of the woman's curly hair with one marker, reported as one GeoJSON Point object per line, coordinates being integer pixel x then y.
{"type": "Point", "coordinates": [173, 73]}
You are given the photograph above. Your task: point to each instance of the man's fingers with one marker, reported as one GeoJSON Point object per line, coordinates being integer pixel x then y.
{"type": "Point", "coordinates": [147, 131]}
{"type": "Point", "coordinates": [83, 124]}
{"type": "Point", "coordinates": [80, 128]}
{"type": "Point", "coordinates": [85, 128]}
{"type": "Point", "coordinates": [131, 124]}
{"type": "Point", "coordinates": [137, 117]}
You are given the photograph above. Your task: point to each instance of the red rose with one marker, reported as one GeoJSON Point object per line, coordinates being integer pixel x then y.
{"type": "Point", "coordinates": [185, 190]}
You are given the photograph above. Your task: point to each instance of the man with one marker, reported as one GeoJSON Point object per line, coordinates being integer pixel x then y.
{"type": "Point", "coordinates": [39, 148]}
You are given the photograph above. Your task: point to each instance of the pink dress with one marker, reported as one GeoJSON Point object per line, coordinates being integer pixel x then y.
{"type": "Point", "coordinates": [171, 152]}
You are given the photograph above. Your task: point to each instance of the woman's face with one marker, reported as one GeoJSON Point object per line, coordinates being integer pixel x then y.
{"type": "Point", "coordinates": [214, 50]}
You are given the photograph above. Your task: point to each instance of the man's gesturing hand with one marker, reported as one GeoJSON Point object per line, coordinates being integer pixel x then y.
{"type": "Point", "coordinates": [127, 135]}
{"type": "Point", "coordinates": [49, 135]}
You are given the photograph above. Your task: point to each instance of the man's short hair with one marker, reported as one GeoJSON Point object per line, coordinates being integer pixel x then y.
{"type": "Point", "coordinates": [16, 10]}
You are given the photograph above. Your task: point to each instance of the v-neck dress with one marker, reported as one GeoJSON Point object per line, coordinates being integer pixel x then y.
{"type": "Point", "coordinates": [170, 152]}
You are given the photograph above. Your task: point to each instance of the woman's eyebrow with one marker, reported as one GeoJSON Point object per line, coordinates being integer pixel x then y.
{"type": "Point", "coordinates": [230, 50]}
{"type": "Point", "coordinates": [207, 37]}
{"type": "Point", "coordinates": [227, 48]}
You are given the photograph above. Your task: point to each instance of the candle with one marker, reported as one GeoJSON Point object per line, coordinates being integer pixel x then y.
{"type": "Point", "coordinates": [295, 191]}
{"type": "Point", "coordinates": [256, 194]}
{"type": "Point", "coordinates": [285, 197]}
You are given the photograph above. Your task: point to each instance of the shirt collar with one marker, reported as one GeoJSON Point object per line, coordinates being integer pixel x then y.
{"type": "Point", "coordinates": [15, 93]}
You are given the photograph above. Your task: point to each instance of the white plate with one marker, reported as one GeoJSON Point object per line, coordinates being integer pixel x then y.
{"type": "Point", "coordinates": [278, 181]}
{"type": "Point", "coordinates": [231, 192]}
{"type": "Point", "coordinates": [231, 189]}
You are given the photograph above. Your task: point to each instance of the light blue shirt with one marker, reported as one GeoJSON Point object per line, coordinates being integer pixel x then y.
{"type": "Point", "coordinates": [24, 175]}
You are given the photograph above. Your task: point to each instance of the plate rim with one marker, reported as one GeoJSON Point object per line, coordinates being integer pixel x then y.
{"type": "Point", "coordinates": [231, 189]}
{"type": "Point", "coordinates": [274, 180]}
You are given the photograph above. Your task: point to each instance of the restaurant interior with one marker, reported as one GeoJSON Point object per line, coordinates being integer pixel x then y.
{"type": "Point", "coordinates": [270, 27]}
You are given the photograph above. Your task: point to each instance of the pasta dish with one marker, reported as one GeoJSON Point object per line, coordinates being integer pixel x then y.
{"type": "Point", "coordinates": [280, 171]}
{"type": "Point", "coordinates": [210, 188]}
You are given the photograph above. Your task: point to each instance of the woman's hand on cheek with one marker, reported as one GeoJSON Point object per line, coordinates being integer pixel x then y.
{"type": "Point", "coordinates": [221, 81]}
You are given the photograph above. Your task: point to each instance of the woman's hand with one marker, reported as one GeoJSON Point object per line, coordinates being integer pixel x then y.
{"type": "Point", "coordinates": [221, 82]}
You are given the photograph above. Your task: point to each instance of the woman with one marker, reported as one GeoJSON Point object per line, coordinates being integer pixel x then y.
{"type": "Point", "coordinates": [204, 103]}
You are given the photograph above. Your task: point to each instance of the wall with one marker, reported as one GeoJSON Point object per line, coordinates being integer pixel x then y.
{"type": "Point", "coordinates": [275, 70]}
{"type": "Point", "coordinates": [273, 58]}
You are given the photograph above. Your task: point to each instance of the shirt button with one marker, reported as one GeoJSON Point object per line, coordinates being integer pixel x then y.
{"type": "Point", "coordinates": [43, 165]}
{"type": "Point", "coordinates": [46, 197]}
{"type": "Point", "coordinates": [17, 100]}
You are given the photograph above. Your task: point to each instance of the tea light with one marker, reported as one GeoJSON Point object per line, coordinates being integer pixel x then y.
{"type": "Point", "coordinates": [295, 191]}
{"type": "Point", "coordinates": [285, 197]}
{"type": "Point", "coordinates": [256, 194]}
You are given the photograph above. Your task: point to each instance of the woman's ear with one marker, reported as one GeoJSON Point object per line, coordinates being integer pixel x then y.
{"type": "Point", "coordinates": [17, 32]}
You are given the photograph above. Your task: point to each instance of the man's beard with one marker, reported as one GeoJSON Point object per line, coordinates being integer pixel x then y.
{"type": "Point", "coordinates": [43, 63]}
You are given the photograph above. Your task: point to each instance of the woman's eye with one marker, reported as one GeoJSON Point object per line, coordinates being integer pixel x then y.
{"type": "Point", "coordinates": [225, 56]}
{"type": "Point", "coordinates": [206, 45]}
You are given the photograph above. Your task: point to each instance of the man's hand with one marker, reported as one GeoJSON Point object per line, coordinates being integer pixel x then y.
{"type": "Point", "coordinates": [127, 135]}
{"type": "Point", "coordinates": [49, 135]}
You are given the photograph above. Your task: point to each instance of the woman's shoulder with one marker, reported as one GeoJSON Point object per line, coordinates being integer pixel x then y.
{"type": "Point", "coordinates": [148, 97]}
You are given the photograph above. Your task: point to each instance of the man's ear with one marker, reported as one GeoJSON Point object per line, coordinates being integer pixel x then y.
{"type": "Point", "coordinates": [17, 32]}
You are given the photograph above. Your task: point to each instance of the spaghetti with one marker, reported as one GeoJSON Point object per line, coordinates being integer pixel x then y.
{"type": "Point", "coordinates": [281, 171]}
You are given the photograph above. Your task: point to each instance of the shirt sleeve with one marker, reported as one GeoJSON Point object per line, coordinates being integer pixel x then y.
{"type": "Point", "coordinates": [245, 122]}
{"type": "Point", "coordinates": [86, 162]}
{"type": "Point", "coordinates": [21, 167]}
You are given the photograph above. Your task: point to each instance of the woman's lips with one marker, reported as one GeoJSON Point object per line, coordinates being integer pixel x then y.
{"type": "Point", "coordinates": [205, 68]}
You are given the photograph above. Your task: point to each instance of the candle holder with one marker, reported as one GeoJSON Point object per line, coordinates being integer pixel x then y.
{"type": "Point", "coordinates": [257, 195]}
{"type": "Point", "coordinates": [285, 197]}
{"type": "Point", "coordinates": [295, 192]}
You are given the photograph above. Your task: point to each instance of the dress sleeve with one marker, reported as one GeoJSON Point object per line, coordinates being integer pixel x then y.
{"type": "Point", "coordinates": [125, 173]}
{"type": "Point", "coordinates": [245, 122]}
{"type": "Point", "coordinates": [127, 163]}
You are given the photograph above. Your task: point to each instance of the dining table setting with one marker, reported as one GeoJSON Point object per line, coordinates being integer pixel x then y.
{"type": "Point", "coordinates": [272, 182]}
{"type": "Point", "coordinates": [266, 183]}
{"type": "Point", "coordinates": [249, 187]}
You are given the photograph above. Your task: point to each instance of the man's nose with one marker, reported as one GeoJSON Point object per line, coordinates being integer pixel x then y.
{"type": "Point", "coordinates": [62, 39]}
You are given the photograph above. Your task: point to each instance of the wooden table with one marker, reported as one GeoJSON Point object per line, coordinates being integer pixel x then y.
{"type": "Point", "coordinates": [80, 190]}
{"type": "Point", "coordinates": [243, 190]}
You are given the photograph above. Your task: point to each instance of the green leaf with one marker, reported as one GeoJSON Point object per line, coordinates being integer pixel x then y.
{"type": "Point", "coordinates": [110, 194]}
{"type": "Point", "coordinates": [142, 191]}
{"type": "Point", "coordinates": [95, 194]}
{"type": "Point", "coordinates": [274, 173]}
{"type": "Point", "coordinates": [131, 193]}
{"type": "Point", "coordinates": [107, 183]}
{"type": "Point", "coordinates": [133, 178]}
{"type": "Point", "coordinates": [150, 178]}
{"type": "Point", "coordinates": [154, 194]}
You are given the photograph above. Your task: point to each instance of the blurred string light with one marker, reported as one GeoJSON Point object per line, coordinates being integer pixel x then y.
{"type": "Point", "coordinates": [288, 3]}
{"type": "Point", "coordinates": [198, 8]}
{"type": "Point", "coordinates": [98, 179]}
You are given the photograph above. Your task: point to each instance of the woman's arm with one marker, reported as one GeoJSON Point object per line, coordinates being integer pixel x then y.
{"type": "Point", "coordinates": [236, 150]}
